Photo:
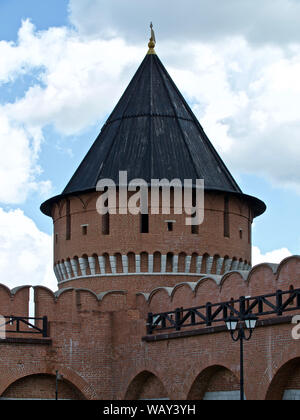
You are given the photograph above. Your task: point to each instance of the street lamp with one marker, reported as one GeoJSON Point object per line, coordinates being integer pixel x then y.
{"type": "Point", "coordinates": [247, 323]}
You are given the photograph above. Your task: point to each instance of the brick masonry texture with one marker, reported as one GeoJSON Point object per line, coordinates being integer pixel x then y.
{"type": "Point", "coordinates": [96, 340]}
{"type": "Point", "coordinates": [114, 270]}
{"type": "Point", "coordinates": [207, 251]}
{"type": "Point", "coordinates": [125, 233]}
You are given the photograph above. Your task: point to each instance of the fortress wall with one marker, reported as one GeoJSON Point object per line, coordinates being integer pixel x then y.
{"type": "Point", "coordinates": [67, 303]}
{"type": "Point", "coordinates": [97, 338]}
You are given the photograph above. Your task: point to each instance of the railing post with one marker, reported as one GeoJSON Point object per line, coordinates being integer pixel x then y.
{"type": "Point", "coordinates": [225, 312]}
{"type": "Point", "coordinates": [231, 309]}
{"type": "Point", "coordinates": [208, 314]}
{"type": "Point", "coordinates": [242, 306]}
{"type": "Point", "coordinates": [298, 299]}
{"type": "Point", "coordinates": [17, 324]}
{"type": "Point", "coordinates": [279, 302]}
{"type": "Point", "coordinates": [193, 317]}
{"type": "Point", "coordinates": [260, 305]}
{"type": "Point", "coordinates": [149, 323]}
{"type": "Point", "coordinates": [45, 326]}
{"type": "Point", "coordinates": [177, 318]}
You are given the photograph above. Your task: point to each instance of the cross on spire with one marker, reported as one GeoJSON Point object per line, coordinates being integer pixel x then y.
{"type": "Point", "coordinates": [152, 41]}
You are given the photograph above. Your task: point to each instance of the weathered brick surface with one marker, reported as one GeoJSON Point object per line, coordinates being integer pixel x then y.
{"type": "Point", "coordinates": [41, 387]}
{"type": "Point", "coordinates": [125, 236]}
{"type": "Point", "coordinates": [97, 343]}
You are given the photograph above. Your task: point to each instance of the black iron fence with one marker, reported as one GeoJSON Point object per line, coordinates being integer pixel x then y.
{"type": "Point", "coordinates": [23, 325]}
{"type": "Point", "coordinates": [275, 303]}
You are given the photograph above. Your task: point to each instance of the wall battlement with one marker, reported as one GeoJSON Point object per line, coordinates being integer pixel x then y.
{"type": "Point", "coordinates": [65, 303]}
{"type": "Point", "coordinates": [103, 332]}
{"type": "Point", "coordinates": [262, 279]}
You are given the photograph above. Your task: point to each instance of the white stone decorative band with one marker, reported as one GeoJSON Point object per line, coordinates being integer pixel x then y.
{"type": "Point", "coordinates": [146, 264]}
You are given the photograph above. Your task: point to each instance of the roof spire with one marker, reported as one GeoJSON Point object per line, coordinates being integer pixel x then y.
{"type": "Point", "coordinates": [152, 41]}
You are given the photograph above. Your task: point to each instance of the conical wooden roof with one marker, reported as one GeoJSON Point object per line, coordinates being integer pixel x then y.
{"type": "Point", "coordinates": [152, 134]}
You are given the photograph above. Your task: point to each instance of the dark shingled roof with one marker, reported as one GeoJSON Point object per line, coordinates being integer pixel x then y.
{"type": "Point", "coordinates": [152, 134]}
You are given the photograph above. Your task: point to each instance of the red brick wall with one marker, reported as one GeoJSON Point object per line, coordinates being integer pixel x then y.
{"type": "Point", "coordinates": [41, 387]}
{"type": "Point", "coordinates": [213, 379]}
{"type": "Point", "coordinates": [146, 386]}
{"type": "Point", "coordinates": [97, 341]}
{"type": "Point", "coordinates": [125, 236]}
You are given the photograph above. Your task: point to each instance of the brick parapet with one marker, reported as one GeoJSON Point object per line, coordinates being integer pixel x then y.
{"type": "Point", "coordinates": [98, 335]}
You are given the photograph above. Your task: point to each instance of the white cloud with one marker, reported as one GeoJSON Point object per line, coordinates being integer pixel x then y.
{"type": "Point", "coordinates": [18, 162]}
{"type": "Point", "coordinates": [275, 256]}
{"type": "Point", "coordinates": [267, 128]}
{"type": "Point", "coordinates": [246, 97]}
{"type": "Point", "coordinates": [25, 252]}
{"type": "Point", "coordinates": [80, 79]}
{"type": "Point", "coordinates": [268, 21]}
{"type": "Point", "coordinates": [78, 82]}
{"type": "Point", "coordinates": [238, 70]}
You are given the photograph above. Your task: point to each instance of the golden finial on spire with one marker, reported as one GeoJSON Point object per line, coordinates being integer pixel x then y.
{"type": "Point", "coordinates": [152, 41]}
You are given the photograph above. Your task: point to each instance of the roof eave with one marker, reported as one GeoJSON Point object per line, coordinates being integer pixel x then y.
{"type": "Point", "coordinates": [257, 205]}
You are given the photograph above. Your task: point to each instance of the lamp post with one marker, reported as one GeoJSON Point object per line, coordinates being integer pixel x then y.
{"type": "Point", "coordinates": [247, 323]}
{"type": "Point", "coordinates": [58, 377]}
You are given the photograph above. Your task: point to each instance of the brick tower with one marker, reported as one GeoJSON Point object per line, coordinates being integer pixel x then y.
{"type": "Point", "coordinates": [151, 134]}
{"type": "Point", "coordinates": [143, 298]}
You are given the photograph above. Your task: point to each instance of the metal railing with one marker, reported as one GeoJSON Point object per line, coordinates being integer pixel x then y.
{"type": "Point", "coordinates": [275, 303]}
{"type": "Point", "coordinates": [15, 325]}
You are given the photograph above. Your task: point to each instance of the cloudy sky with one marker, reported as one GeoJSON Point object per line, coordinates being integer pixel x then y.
{"type": "Point", "coordinates": [65, 63]}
